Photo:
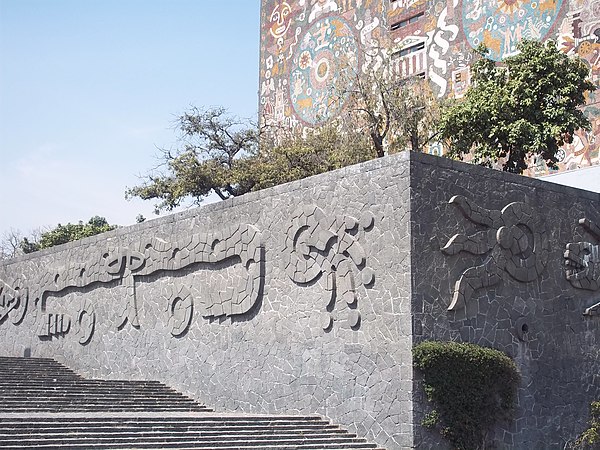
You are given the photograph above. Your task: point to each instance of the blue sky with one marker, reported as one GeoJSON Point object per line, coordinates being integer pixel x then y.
{"type": "Point", "coordinates": [90, 88]}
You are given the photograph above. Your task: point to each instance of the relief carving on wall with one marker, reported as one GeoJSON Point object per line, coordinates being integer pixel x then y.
{"type": "Point", "coordinates": [180, 311]}
{"type": "Point", "coordinates": [513, 240]}
{"type": "Point", "coordinates": [13, 302]}
{"type": "Point", "coordinates": [582, 264]}
{"type": "Point", "coordinates": [238, 292]}
{"type": "Point", "coordinates": [326, 250]}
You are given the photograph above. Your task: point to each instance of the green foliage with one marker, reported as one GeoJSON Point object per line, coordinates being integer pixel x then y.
{"type": "Point", "coordinates": [216, 149]}
{"type": "Point", "coordinates": [528, 106]}
{"type": "Point", "coordinates": [397, 113]}
{"type": "Point", "coordinates": [28, 246]}
{"type": "Point", "coordinates": [590, 439]}
{"type": "Point", "coordinates": [471, 387]}
{"type": "Point", "coordinates": [297, 157]}
{"type": "Point", "coordinates": [67, 233]}
{"type": "Point", "coordinates": [221, 154]}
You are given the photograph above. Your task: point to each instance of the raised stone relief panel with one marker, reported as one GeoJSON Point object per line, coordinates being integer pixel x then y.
{"type": "Point", "coordinates": [326, 250]}
{"type": "Point", "coordinates": [228, 293]}
{"type": "Point", "coordinates": [13, 302]}
{"type": "Point", "coordinates": [582, 264]}
{"type": "Point", "coordinates": [82, 324]}
{"type": "Point", "coordinates": [180, 311]}
{"type": "Point", "coordinates": [513, 240]}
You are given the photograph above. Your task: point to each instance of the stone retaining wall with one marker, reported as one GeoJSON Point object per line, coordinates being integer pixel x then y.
{"type": "Point", "coordinates": [293, 300]}
{"type": "Point", "coordinates": [308, 297]}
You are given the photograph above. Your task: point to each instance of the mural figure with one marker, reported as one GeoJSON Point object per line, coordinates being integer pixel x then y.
{"type": "Point", "coordinates": [501, 24]}
{"type": "Point", "coordinates": [280, 20]}
{"type": "Point", "coordinates": [514, 241]}
{"type": "Point", "coordinates": [326, 56]}
{"type": "Point", "coordinates": [327, 251]}
{"type": "Point", "coordinates": [321, 7]}
{"type": "Point", "coordinates": [582, 264]}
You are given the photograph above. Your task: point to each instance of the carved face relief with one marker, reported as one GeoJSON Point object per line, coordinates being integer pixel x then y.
{"type": "Point", "coordinates": [280, 20]}
{"type": "Point", "coordinates": [582, 265]}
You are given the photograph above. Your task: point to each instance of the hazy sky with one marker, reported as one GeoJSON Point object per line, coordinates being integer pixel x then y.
{"type": "Point", "coordinates": [90, 88]}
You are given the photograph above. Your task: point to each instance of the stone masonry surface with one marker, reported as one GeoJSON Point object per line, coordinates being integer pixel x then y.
{"type": "Point", "coordinates": [288, 300]}
{"type": "Point", "coordinates": [308, 297]}
{"type": "Point", "coordinates": [496, 259]}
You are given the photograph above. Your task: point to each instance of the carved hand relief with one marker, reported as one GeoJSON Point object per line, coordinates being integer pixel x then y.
{"type": "Point", "coordinates": [54, 325]}
{"type": "Point", "coordinates": [326, 251]}
{"type": "Point", "coordinates": [514, 240]}
{"type": "Point", "coordinates": [582, 264]}
{"type": "Point", "coordinates": [228, 292]}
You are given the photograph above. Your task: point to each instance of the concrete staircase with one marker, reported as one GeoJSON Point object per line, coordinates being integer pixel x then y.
{"type": "Point", "coordinates": [45, 405]}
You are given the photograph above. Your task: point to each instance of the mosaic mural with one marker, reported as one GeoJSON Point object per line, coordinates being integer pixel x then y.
{"type": "Point", "coordinates": [317, 64]}
{"type": "Point", "coordinates": [307, 45]}
{"type": "Point", "coordinates": [306, 48]}
{"type": "Point", "coordinates": [501, 24]}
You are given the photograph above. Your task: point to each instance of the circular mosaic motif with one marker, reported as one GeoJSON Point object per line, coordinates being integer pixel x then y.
{"type": "Point", "coordinates": [501, 24]}
{"type": "Point", "coordinates": [326, 52]}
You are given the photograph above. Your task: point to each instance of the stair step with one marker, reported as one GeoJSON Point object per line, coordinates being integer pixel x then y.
{"type": "Point", "coordinates": [44, 405]}
{"type": "Point", "coordinates": [160, 439]}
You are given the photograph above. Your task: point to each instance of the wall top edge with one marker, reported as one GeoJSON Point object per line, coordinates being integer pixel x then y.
{"type": "Point", "coordinates": [503, 177]}
{"type": "Point", "coordinates": [396, 160]}
{"type": "Point", "coordinates": [384, 163]}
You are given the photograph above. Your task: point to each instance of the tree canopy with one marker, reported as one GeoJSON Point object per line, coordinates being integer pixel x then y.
{"type": "Point", "coordinates": [215, 151]}
{"type": "Point", "coordinates": [62, 234]}
{"type": "Point", "coordinates": [398, 113]}
{"type": "Point", "coordinates": [220, 153]}
{"type": "Point", "coordinates": [230, 156]}
{"type": "Point", "coordinates": [528, 106]}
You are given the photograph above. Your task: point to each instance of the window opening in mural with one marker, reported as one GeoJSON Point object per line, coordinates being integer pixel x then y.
{"type": "Point", "coordinates": [402, 23]}
{"type": "Point", "coordinates": [408, 50]}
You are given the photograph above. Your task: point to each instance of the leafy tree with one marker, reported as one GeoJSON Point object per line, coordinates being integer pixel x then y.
{"type": "Point", "coordinates": [397, 112]}
{"type": "Point", "coordinates": [67, 233]}
{"type": "Point", "coordinates": [294, 157]}
{"type": "Point", "coordinates": [221, 154]}
{"type": "Point", "coordinates": [216, 148]}
{"type": "Point", "coordinates": [529, 106]}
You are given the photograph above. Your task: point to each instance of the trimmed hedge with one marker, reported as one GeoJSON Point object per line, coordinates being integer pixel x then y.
{"type": "Point", "coordinates": [471, 388]}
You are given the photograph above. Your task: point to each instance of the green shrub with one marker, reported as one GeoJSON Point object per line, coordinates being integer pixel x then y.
{"type": "Point", "coordinates": [471, 387]}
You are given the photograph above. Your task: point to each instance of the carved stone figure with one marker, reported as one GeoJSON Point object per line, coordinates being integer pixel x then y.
{"type": "Point", "coordinates": [326, 250]}
{"type": "Point", "coordinates": [582, 264]}
{"type": "Point", "coordinates": [13, 302]}
{"type": "Point", "coordinates": [514, 240]}
{"type": "Point", "coordinates": [229, 292]}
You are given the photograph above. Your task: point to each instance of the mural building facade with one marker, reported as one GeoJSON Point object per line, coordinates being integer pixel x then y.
{"type": "Point", "coordinates": [307, 45]}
